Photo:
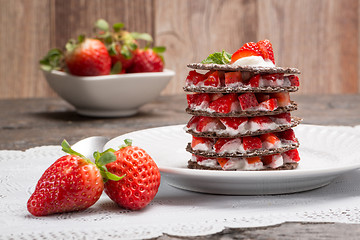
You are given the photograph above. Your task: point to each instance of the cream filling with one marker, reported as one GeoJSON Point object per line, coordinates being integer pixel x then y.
{"type": "Point", "coordinates": [256, 61]}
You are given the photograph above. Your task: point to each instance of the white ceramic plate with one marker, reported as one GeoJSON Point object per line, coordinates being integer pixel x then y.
{"type": "Point", "coordinates": [325, 153]}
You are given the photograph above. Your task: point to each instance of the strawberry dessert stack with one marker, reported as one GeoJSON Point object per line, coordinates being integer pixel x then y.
{"type": "Point", "coordinates": [241, 111]}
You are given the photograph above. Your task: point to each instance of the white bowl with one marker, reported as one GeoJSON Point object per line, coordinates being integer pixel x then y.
{"type": "Point", "coordinates": [111, 95]}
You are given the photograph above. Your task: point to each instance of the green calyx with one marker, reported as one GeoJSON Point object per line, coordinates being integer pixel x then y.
{"type": "Point", "coordinates": [218, 58]}
{"type": "Point", "coordinates": [101, 159]}
{"type": "Point", "coordinates": [54, 60]}
{"type": "Point", "coordinates": [128, 142]}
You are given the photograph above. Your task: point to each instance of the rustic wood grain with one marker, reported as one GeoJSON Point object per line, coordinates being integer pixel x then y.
{"type": "Point", "coordinates": [318, 37]}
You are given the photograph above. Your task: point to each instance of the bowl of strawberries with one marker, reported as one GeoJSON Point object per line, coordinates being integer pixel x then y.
{"type": "Point", "coordinates": [108, 75]}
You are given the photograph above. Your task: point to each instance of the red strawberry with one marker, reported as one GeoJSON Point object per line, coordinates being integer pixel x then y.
{"type": "Point", "coordinates": [232, 78]}
{"type": "Point", "coordinates": [262, 48]}
{"type": "Point", "coordinates": [283, 98]}
{"type": "Point", "coordinates": [251, 143]}
{"type": "Point", "coordinates": [141, 179]}
{"type": "Point", "coordinates": [272, 161]}
{"type": "Point", "coordinates": [72, 183]}
{"type": "Point", "coordinates": [193, 122]}
{"type": "Point", "coordinates": [198, 100]}
{"type": "Point", "coordinates": [266, 49]}
{"type": "Point", "coordinates": [87, 57]}
{"type": "Point", "coordinates": [208, 123]}
{"type": "Point", "coordinates": [248, 49]}
{"type": "Point", "coordinates": [247, 101]}
{"type": "Point", "coordinates": [194, 78]}
{"type": "Point", "coordinates": [225, 104]}
{"type": "Point", "coordinates": [269, 105]}
{"type": "Point", "coordinates": [288, 135]}
{"type": "Point", "coordinates": [270, 140]}
{"type": "Point", "coordinates": [219, 144]}
{"type": "Point", "coordinates": [213, 79]}
{"type": "Point", "coordinates": [146, 61]}
{"type": "Point", "coordinates": [291, 156]}
{"type": "Point", "coordinates": [253, 160]}
{"type": "Point", "coordinates": [215, 96]}
{"type": "Point", "coordinates": [294, 80]}
{"type": "Point", "coordinates": [208, 142]}
{"type": "Point", "coordinates": [233, 122]}
{"type": "Point", "coordinates": [261, 120]}
{"type": "Point", "coordinates": [222, 161]}
{"type": "Point", "coordinates": [282, 117]}
{"type": "Point", "coordinates": [255, 81]}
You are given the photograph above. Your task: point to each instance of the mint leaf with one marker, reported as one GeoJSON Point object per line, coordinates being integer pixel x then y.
{"type": "Point", "coordinates": [218, 58]}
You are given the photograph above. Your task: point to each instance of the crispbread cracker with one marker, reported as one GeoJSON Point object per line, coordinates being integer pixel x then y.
{"type": "Point", "coordinates": [253, 153]}
{"type": "Point", "coordinates": [253, 69]}
{"type": "Point", "coordinates": [286, 166]}
{"type": "Point", "coordinates": [279, 110]}
{"type": "Point", "coordinates": [239, 89]}
{"type": "Point", "coordinates": [294, 122]}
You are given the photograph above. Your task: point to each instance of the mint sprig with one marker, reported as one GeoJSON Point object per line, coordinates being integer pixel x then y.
{"type": "Point", "coordinates": [218, 58]}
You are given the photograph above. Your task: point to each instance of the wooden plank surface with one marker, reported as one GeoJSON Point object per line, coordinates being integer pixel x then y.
{"type": "Point", "coordinates": [29, 123]}
{"type": "Point", "coordinates": [318, 37]}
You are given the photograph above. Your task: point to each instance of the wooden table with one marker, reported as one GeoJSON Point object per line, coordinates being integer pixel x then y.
{"type": "Point", "coordinates": [27, 123]}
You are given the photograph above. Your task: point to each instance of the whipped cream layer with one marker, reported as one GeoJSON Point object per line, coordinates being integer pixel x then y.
{"type": "Point", "coordinates": [256, 61]}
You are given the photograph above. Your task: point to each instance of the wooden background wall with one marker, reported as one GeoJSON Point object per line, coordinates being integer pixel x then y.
{"type": "Point", "coordinates": [320, 37]}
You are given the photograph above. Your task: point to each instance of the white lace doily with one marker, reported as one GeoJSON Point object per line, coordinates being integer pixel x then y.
{"type": "Point", "coordinates": [173, 211]}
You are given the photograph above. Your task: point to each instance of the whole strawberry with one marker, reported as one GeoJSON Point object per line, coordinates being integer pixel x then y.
{"type": "Point", "coordinates": [141, 179]}
{"type": "Point", "coordinates": [87, 57]}
{"type": "Point", "coordinates": [71, 183]}
{"type": "Point", "coordinates": [147, 60]}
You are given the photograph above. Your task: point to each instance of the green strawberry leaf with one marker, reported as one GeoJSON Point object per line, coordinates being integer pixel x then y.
{"type": "Point", "coordinates": [66, 148]}
{"type": "Point", "coordinates": [159, 49]}
{"type": "Point", "coordinates": [218, 58]}
{"type": "Point", "coordinates": [113, 177]}
{"type": "Point", "coordinates": [116, 68]}
{"type": "Point", "coordinates": [106, 158]}
{"type": "Point", "coordinates": [128, 142]}
{"type": "Point", "coordinates": [102, 25]}
{"type": "Point", "coordinates": [118, 26]}
{"type": "Point", "coordinates": [53, 60]}
{"type": "Point", "coordinates": [142, 36]}
{"type": "Point", "coordinates": [126, 52]}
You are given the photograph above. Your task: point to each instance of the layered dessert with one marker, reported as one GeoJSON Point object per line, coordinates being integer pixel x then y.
{"type": "Point", "coordinates": [241, 111]}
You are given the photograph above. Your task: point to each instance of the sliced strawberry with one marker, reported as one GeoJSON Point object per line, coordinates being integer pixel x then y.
{"type": "Point", "coordinates": [270, 140]}
{"type": "Point", "coordinates": [213, 79]}
{"type": "Point", "coordinates": [232, 78]}
{"type": "Point", "coordinates": [251, 143]}
{"type": "Point", "coordinates": [198, 100]}
{"type": "Point", "coordinates": [233, 122]}
{"type": "Point", "coordinates": [194, 78]}
{"type": "Point", "coordinates": [261, 97]}
{"type": "Point", "coordinates": [273, 161]}
{"type": "Point", "coordinates": [283, 98]}
{"type": "Point", "coordinates": [255, 81]}
{"type": "Point", "coordinates": [247, 50]}
{"type": "Point", "coordinates": [222, 161]}
{"type": "Point", "coordinates": [282, 117]}
{"type": "Point", "coordinates": [261, 120]}
{"type": "Point", "coordinates": [294, 80]}
{"type": "Point", "coordinates": [247, 101]}
{"type": "Point", "coordinates": [266, 49]}
{"type": "Point", "coordinates": [253, 160]}
{"type": "Point", "coordinates": [215, 96]}
{"type": "Point", "coordinates": [269, 105]}
{"type": "Point", "coordinates": [201, 158]}
{"type": "Point", "coordinates": [225, 104]}
{"type": "Point", "coordinates": [292, 156]}
{"type": "Point", "coordinates": [206, 143]}
{"type": "Point", "coordinates": [288, 135]}
{"type": "Point", "coordinates": [193, 122]}
{"type": "Point", "coordinates": [206, 124]}
{"type": "Point", "coordinates": [231, 144]}
{"type": "Point", "coordinates": [272, 79]}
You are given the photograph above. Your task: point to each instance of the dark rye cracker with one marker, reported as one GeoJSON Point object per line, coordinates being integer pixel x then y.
{"type": "Point", "coordinates": [286, 166]}
{"type": "Point", "coordinates": [254, 113]}
{"type": "Point", "coordinates": [253, 69]}
{"type": "Point", "coordinates": [239, 89]}
{"type": "Point", "coordinates": [252, 153]}
{"type": "Point", "coordinates": [294, 122]}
